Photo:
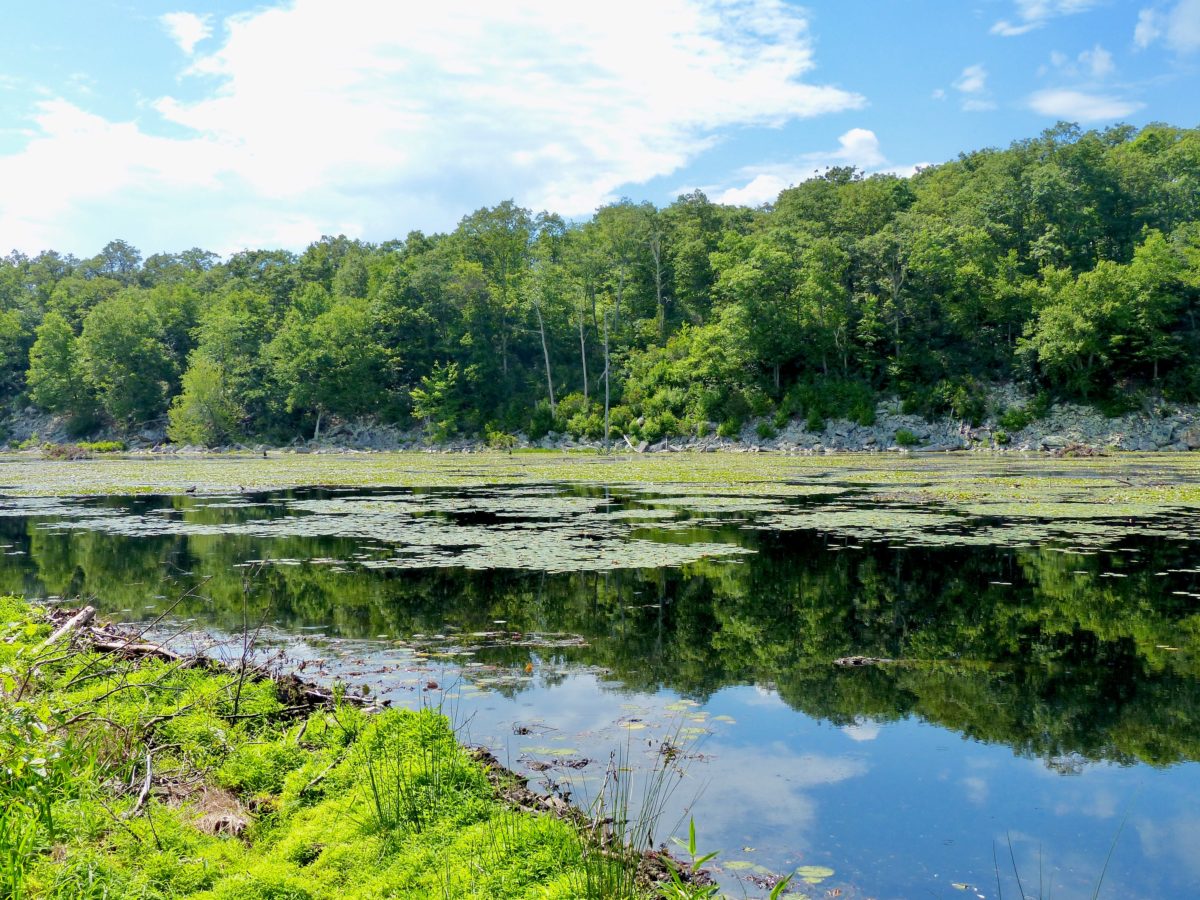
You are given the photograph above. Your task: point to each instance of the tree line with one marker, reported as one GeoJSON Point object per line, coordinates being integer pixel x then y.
{"type": "Point", "coordinates": [1069, 263]}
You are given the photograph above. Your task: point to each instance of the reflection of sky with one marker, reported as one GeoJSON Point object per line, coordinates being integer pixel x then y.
{"type": "Point", "coordinates": [899, 809]}
{"type": "Point", "coordinates": [895, 809]}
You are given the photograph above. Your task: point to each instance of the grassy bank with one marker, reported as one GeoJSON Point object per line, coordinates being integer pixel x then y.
{"type": "Point", "coordinates": [155, 778]}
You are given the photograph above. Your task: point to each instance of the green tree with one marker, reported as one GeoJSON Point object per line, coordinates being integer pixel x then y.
{"type": "Point", "coordinates": [438, 401]}
{"type": "Point", "coordinates": [125, 359]}
{"type": "Point", "coordinates": [206, 412]}
{"type": "Point", "coordinates": [329, 364]}
{"type": "Point", "coordinates": [54, 379]}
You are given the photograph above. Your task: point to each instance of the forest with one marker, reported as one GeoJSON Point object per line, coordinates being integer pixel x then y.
{"type": "Point", "coordinates": [1068, 263]}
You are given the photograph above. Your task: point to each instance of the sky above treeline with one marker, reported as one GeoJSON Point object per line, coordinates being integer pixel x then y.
{"type": "Point", "coordinates": [230, 125]}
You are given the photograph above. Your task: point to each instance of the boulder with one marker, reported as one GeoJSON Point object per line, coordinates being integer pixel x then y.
{"type": "Point", "coordinates": [1189, 436]}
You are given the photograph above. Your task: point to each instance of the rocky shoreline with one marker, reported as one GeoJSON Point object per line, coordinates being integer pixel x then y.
{"type": "Point", "coordinates": [1065, 428]}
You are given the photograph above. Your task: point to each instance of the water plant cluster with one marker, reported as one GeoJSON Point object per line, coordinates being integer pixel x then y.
{"type": "Point", "coordinates": [157, 778]}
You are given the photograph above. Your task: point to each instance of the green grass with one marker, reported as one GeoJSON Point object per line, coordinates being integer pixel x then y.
{"type": "Point", "coordinates": [254, 805]}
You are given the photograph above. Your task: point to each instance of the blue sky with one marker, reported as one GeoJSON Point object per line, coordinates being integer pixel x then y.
{"type": "Point", "coordinates": [229, 125]}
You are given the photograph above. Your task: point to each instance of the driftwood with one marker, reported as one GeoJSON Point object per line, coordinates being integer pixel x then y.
{"type": "Point", "coordinates": [297, 695]}
{"type": "Point", "coordinates": [74, 623]}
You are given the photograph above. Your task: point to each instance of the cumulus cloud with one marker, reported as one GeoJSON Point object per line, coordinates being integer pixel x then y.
{"type": "Point", "coordinates": [1033, 14]}
{"type": "Point", "coordinates": [1097, 62]}
{"type": "Point", "coordinates": [1148, 28]}
{"type": "Point", "coordinates": [1178, 26]}
{"type": "Point", "coordinates": [973, 83]}
{"type": "Point", "coordinates": [186, 29]}
{"type": "Point", "coordinates": [973, 80]}
{"type": "Point", "coordinates": [1081, 106]}
{"type": "Point", "coordinates": [382, 116]}
{"type": "Point", "coordinates": [858, 147]}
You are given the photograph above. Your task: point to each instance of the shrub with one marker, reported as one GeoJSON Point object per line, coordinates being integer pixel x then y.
{"type": "Point", "coordinates": [758, 401]}
{"type": "Point", "coordinates": [541, 422]}
{"type": "Point", "coordinates": [65, 451]}
{"type": "Point", "coordinates": [729, 429]}
{"type": "Point", "coordinates": [1001, 437]}
{"type": "Point", "coordinates": [765, 430]}
{"type": "Point", "coordinates": [830, 398]}
{"type": "Point", "coordinates": [103, 446]}
{"type": "Point", "coordinates": [1040, 407]}
{"type": "Point", "coordinates": [1015, 418]}
{"type": "Point", "coordinates": [498, 439]}
{"type": "Point", "coordinates": [905, 438]}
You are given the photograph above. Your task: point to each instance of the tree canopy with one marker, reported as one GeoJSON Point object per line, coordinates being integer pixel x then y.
{"type": "Point", "coordinates": [1069, 262]}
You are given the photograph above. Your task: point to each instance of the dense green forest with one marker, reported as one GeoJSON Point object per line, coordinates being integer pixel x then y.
{"type": "Point", "coordinates": [1069, 263]}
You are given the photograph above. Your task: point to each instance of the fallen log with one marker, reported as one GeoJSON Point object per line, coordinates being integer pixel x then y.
{"type": "Point", "coordinates": [296, 694]}
{"type": "Point", "coordinates": [74, 623]}
{"type": "Point", "coordinates": [850, 662]}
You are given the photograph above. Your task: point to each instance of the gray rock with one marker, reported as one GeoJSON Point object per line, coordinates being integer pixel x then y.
{"type": "Point", "coordinates": [1188, 436]}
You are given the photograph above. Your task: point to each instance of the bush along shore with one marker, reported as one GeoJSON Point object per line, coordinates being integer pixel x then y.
{"type": "Point", "coordinates": [127, 770]}
{"type": "Point", "coordinates": [1006, 420]}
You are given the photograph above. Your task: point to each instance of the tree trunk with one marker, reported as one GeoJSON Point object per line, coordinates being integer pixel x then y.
{"type": "Point", "coordinates": [606, 371]}
{"type": "Point", "coordinates": [317, 430]}
{"type": "Point", "coordinates": [546, 353]}
{"type": "Point", "coordinates": [583, 353]}
{"type": "Point", "coordinates": [656, 253]}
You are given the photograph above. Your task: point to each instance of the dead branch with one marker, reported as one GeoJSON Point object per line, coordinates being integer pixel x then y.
{"type": "Point", "coordinates": [77, 621]}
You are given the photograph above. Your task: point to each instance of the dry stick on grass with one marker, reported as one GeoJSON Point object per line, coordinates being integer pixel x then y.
{"type": "Point", "coordinates": [141, 800]}
{"type": "Point", "coordinates": [81, 618]}
{"type": "Point", "coordinates": [247, 642]}
{"type": "Point", "coordinates": [137, 635]}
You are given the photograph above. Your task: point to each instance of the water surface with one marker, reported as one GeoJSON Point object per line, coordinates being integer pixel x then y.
{"type": "Point", "coordinates": [1045, 686]}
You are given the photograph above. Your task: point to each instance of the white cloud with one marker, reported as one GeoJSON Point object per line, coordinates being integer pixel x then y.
{"type": "Point", "coordinates": [1081, 106]}
{"type": "Point", "coordinates": [1033, 14]}
{"type": "Point", "coordinates": [376, 117]}
{"type": "Point", "coordinates": [186, 29]}
{"type": "Point", "coordinates": [1148, 29]}
{"type": "Point", "coordinates": [1098, 62]}
{"type": "Point", "coordinates": [973, 80]}
{"type": "Point", "coordinates": [858, 147]}
{"type": "Point", "coordinates": [973, 83]}
{"type": "Point", "coordinates": [1095, 64]}
{"type": "Point", "coordinates": [1183, 27]}
{"type": "Point", "coordinates": [1178, 27]}
{"type": "Point", "coordinates": [939, 94]}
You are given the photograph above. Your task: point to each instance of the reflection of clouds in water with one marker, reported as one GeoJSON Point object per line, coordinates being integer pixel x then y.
{"type": "Point", "coordinates": [1174, 841]}
{"type": "Point", "coordinates": [767, 785]}
{"type": "Point", "coordinates": [862, 730]}
{"type": "Point", "coordinates": [1100, 804]}
{"type": "Point", "coordinates": [977, 790]}
{"type": "Point", "coordinates": [762, 696]}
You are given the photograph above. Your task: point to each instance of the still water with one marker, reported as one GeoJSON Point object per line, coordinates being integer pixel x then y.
{"type": "Point", "coordinates": [1038, 707]}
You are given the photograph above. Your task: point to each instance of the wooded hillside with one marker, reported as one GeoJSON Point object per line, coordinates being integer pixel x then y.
{"type": "Point", "coordinates": [1069, 262]}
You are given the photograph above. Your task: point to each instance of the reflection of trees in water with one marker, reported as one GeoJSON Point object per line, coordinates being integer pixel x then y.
{"type": "Point", "coordinates": [1055, 664]}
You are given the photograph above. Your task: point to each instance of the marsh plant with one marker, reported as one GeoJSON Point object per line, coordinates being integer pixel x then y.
{"type": "Point", "coordinates": [625, 816]}
{"type": "Point", "coordinates": [409, 776]}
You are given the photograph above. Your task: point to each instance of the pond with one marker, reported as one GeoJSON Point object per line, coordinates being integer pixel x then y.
{"type": "Point", "coordinates": [1031, 704]}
